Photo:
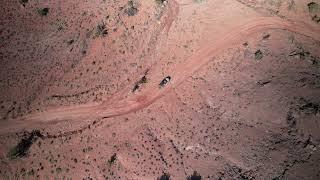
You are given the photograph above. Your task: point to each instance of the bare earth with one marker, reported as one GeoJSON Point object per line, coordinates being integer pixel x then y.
{"type": "Point", "coordinates": [84, 93]}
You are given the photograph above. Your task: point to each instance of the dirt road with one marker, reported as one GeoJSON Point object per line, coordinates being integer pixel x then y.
{"type": "Point", "coordinates": [121, 104]}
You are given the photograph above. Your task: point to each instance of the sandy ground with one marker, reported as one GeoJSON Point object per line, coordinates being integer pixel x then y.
{"type": "Point", "coordinates": [84, 93]}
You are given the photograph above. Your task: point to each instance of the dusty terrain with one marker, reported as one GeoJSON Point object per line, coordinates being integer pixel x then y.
{"type": "Point", "coordinates": [185, 89]}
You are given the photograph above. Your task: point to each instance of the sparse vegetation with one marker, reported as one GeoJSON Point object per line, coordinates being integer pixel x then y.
{"type": "Point", "coordinates": [112, 160]}
{"type": "Point", "coordinates": [309, 107]}
{"type": "Point", "coordinates": [61, 24]}
{"type": "Point", "coordinates": [131, 10]}
{"type": "Point", "coordinates": [165, 176]}
{"type": "Point", "coordinates": [194, 176]}
{"type": "Point", "coordinates": [313, 7]}
{"type": "Point", "coordinates": [258, 55]}
{"type": "Point", "coordinates": [291, 5]}
{"type": "Point", "coordinates": [71, 41]}
{"type": "Point", "coordinates": [198, 1]}
{"type": "Point", "coordinates": [58, 170]}
{"type": "Point", "coordinates": [314, 10]}
{"type": "Point", "coordinates": [87, 149]}
{"type": "Point", "coordinates": [160, 1]}
{"type": "Point", "coordinates": [300, 52]}
{"type": "Point", "coordinates": [21, 149]}
{"type": "Point", "coordinates": [139, 83]}
{"type": "Point", "coordinates": [316, 18]}
{"type": "Point", "coordinates": [23, 2]}
{"type": "Point", "coordinates": [43, 11]}
{"type": "Point", "coordinates": [101, 30]}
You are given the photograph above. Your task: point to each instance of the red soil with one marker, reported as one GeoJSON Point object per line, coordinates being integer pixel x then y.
{"type": "Point", "coordinates": [243, 100]}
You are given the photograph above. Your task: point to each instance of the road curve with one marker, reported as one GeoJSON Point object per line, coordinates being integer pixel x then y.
{"type": "Point", "coordinates": [120, 104]}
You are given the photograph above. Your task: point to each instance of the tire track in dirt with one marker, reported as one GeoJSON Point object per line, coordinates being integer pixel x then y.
{"type": "Point", "coordinates": [121, 104]}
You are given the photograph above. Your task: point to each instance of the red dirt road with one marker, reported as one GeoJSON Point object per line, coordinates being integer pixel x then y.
{"type": "Point", "coordinates": [121, 104]}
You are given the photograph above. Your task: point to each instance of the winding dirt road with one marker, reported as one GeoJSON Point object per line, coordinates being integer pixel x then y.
{"type": "Point", "coordinates": [122, 103]}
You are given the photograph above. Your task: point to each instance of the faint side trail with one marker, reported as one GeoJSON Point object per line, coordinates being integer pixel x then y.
{"type": "Point", "coordinates": [120, 104]}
